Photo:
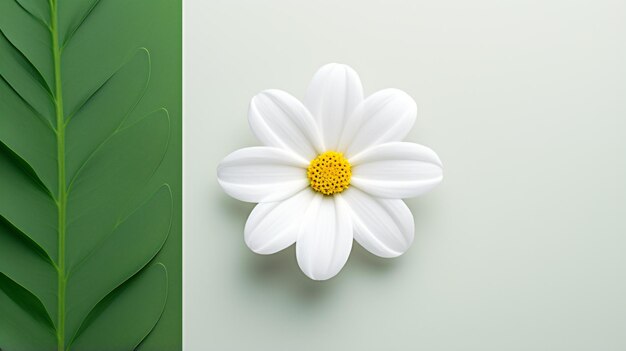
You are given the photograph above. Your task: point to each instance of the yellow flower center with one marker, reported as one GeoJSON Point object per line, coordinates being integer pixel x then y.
{"type": "Point", "coordinates": [329, 173]}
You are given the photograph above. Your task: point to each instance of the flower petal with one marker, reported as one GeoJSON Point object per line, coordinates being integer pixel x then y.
{"type": "Point", "coordinates": [383, 227]}
{"type": "Point", "coordinates": [262, 174]}
{"type": "Point", "coordinates": [273, 226]}
{"type": "Point", "coordinates": [325, 238]}
{"type": "Point", "coordinates": [279, 119]}
{"type": "Point", "coordinates": [396, 170]}
{"type": "Point", "coordinates": [332, 95]}
{"type": "Point", "coordinates": [385, 116]}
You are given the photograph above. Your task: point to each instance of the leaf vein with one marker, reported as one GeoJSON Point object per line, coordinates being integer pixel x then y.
{"type": "Point", "coordinates": [35, 17]}
{"type": "Point", "coordinates": [27, 169]}
{"type": "Point", "coordinates": [39, 76]}
{"type": "Point", "coordinates": [73, 31]}
{"type": "Point", "coordinates": [40, 117]}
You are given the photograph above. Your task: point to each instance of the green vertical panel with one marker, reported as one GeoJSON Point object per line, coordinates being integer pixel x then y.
{"type": "Point", "coordinates": [164, 39]}
{"type": "Point", "coordinates": [90, 175]}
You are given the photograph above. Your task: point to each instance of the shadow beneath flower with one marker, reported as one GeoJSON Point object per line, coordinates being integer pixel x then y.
{"type": "Point", "coordinates": [370, 262]}
{"type": "Point", "coordinates": [280, 274]}
{"type": "Point", "coordinates": [280, 271]}
{"type": "Point", "coordinates": [233, 208]}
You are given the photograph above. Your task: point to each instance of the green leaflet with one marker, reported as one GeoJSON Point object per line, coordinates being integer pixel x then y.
{"type": "Point", "coordinates": [77, 237]}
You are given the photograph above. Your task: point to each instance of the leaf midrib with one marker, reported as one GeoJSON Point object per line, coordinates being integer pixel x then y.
{"type": "Point", "coordinates": [62, 187]}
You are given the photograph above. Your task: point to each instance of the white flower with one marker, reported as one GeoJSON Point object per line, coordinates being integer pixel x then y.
{"type": "Point", "coordinates": [331, 169]}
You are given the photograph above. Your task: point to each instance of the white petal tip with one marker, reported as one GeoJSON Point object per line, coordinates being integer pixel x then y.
{"type": "Point", "coordinates": [319, 277]}
{"type": "Point", "coordinates": [336, 65]}
{"type": "Point", "coordinates": [389, 254]}
{"type": "Point", "coordinates": [259, 250]}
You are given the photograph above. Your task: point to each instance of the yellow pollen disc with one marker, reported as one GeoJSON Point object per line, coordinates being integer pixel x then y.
{"type": "Point", "coordinates": [329, 173]}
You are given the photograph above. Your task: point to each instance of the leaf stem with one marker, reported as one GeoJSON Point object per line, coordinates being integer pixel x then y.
{"type": "Point", "coordinates": [62, 187]}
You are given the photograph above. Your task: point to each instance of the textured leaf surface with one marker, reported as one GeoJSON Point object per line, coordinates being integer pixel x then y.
{"type": "Point", "coordinates": [137, 310]}
{"type": "Point", "coordinates": [77, 234]}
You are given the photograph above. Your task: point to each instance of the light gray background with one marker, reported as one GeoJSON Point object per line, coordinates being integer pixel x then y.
{"type": "Point", "coordinates": [522, 247]}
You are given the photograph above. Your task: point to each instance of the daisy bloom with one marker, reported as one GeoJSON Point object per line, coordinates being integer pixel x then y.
{"type": "Point", "coordinates": [332, 168]}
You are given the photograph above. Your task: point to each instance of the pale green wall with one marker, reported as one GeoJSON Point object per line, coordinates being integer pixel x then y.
{"type": "Point", "coordinates": [522, 245]}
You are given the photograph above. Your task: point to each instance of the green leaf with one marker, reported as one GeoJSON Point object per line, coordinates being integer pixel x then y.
{"type": "Point", "coordinates": [23, 325]}
{"type": "Point", "coordinates": [136, 309]}
{"type": "Point", "coordinates": [76, 238]}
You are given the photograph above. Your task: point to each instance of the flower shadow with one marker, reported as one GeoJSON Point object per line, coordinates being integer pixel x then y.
{"type": "Point", "coordinates": [364, 260]}
{"type": "Point", "coordinates": [280, 272]}
{"type": "Point", "coordinates": [233, 209]}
